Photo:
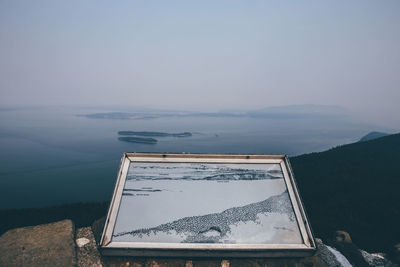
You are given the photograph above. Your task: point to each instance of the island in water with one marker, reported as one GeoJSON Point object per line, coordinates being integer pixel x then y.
{"type": "Point", "coordinates": [140, 140]}
{"type": "Point", "coordinates": [145, 137]}
{"type": "Point", "coordinates": [155, 134]}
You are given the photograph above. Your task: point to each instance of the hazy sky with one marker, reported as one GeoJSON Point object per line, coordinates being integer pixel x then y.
{"type": "Point", "coordinates": [202, 54]}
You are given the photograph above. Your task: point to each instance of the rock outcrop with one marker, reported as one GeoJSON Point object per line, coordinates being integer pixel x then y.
{"type": "Point", "coordinates": [43, 245]}
{"type": "Point", "coordinates": [57, 244]}
{"type": "Point", "coordinates": [357, 257]}
{"type": "Point", "coordinates": [86, 250]}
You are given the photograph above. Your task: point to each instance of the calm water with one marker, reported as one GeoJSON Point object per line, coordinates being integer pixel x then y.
{"type": "Point", "coordinates": [51, 156]}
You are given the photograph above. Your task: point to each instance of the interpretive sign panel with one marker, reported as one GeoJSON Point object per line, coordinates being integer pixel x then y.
{"type": "Point", "coordinates": [202, 204]}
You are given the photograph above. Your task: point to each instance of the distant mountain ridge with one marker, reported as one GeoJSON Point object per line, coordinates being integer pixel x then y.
{"type": "Point", "coordinates": [274, 112]}
{"type": "Point", "coordinates": [372, 136]}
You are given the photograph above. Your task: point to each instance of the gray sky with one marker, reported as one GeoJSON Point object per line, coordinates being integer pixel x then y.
{"type": "Point", "coordinates": [203, 54]}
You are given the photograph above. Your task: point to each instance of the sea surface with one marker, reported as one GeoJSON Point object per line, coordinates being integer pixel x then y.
{"type": "Point", "coordinates": [51, 156]}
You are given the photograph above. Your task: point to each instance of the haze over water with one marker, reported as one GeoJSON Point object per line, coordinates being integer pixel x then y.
{"type": "Point", "coordinates": [52, 156]}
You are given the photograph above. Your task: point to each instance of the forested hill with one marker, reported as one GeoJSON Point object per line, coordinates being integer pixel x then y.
{"type": "Point", "coordinates": [355, 188]}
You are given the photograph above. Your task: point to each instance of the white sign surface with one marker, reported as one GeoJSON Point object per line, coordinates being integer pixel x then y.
{"type": "Point", "coordinates": [220, 203]}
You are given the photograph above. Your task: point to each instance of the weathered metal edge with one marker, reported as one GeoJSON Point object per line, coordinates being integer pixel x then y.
{"type": "Point", "coordinates": [103, 240]}
{"type": "Point", "coordinates": [209, 253]}
{"type": "Point", "coordinates": [204, 155]}
{"type": "Point", "coordinates": [300, 203]}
